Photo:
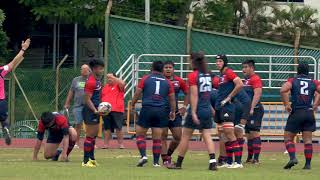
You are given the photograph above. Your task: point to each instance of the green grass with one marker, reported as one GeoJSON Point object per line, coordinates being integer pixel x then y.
{"type": "Point", "coordinates": [120, 164]}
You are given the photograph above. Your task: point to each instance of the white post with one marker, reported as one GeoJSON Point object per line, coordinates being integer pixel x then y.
{"type": "Point", "coordinates": [54, 51]}
{"type": "Point", "coordinates": [270, 69]}
{"type": "Point", "coordinates": [181, 66]}
{"type": "Point", "coordinates": [147, 10]}
{"type": "Point", "coordinates": [75, 46]}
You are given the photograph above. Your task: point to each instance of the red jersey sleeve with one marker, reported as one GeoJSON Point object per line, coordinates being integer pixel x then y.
{"type": "Point", "coordinates": [316, 82]}
{"type": "Point", "coordinates": [230, 74]}
{"type": "Point", "coordinates": [215, 82]}
{"type": "Point", "coordinates": [62, 123]}
{"type": "Point", "coordinates": [141, 83]}
{"type": "Point", "coordinates": [171, 88]}
{"type": "Point", "coordinates": [256, 82]}
{"type": "Point", "coordinates": [40, 131]}
{"type": "Point", "coordinates": [183, 85]}
{"type": "Point", "coordinates": [90, 86]}
{"type": "Point", "coordinates": [192, 79]}
{"type": "Point", "coordinates": [290, 80]}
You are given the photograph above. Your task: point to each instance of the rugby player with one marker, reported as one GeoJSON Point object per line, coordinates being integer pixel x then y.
{"type": "Point", "coordinates": [4, 70]}
{"type": "Point", "coordinates": [175, 126]}
{"type": "Point", "coordinates": [59, 133]}
{"type": "Point", "coordinates": [229, 85]}
{"type": "Point", "coordinates": [253, 87]}
{"type": "Point", "coordinates": [200, 111]}
{"type": "Point", "coordinates": [155, 88]}
{"type": "Point", "coordinates": [301, 119]}
{"type": "Point", "coordinates": [91, 116]}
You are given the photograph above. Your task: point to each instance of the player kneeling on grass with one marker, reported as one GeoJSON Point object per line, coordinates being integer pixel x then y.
{"type": "Point", "coordinates": [200, 114]}
{"type": "Point", "coordinates": [155, 89]}
{"type": "Point", "coordinates": [301, 119]}
{"type": "Point", "coordinates": [59, 133]}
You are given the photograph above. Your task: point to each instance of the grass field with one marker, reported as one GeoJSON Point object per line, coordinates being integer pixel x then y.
{"type": "Point", "coordinates": [120, 164]}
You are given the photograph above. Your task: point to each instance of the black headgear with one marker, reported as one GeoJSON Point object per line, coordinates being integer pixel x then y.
{"type": "Point", "coordinates": [224, 58]}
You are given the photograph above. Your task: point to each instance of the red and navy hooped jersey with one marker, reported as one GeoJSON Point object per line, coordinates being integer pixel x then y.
{"type": "Point", "coordinates": [302, 91]}
{"type": "Point", "coordinates": [156, 88]}
{"type": "Point", "coordinates": [179, 85]}
{"type": "Point", "coordinates": [60, 125]}
{"type": "Point", "coordinates": [93, 87]}
{"type": "Point", "coordinates": [251, 83]}
{"type": "Point", "coordinates": [226, 85]}
{"type": "Point", "coordinates": [204, 83]}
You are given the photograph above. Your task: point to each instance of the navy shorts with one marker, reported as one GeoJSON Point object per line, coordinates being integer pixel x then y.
{"type": "Point", "coordinates": [89, 117]}
{"type": "Point", "coordinates": [3, 110]}
{"type": "Point", "coordinates": [55, 138]}
{"type": "Point", "coordinates": [225, 114]}
{"type": "Point", "coordinates": [205, 117]}
{"type": "Point", "coordinates": [113, 120]}
{"type": "Point", "coordinates": [153, 117]}
{"type": "Point", "coordinates": [254, 122]}
{"type": "Point", "coordinates": [301, 120]}
{"type": "Point", "coordinates": [176, 123]}
{"type": "Point", "coordinates": [242, 111]}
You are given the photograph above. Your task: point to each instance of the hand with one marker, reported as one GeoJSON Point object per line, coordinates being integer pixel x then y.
{"type": "Point", "coordinates": [66, 106]}
{"type": "Point", "coordinates": [110, 76]}
{"type": "Point", "coordinates": [35, 158]}
{"type": "Point", "coordinates": [64, 157]}
{"type": "Point", "coordinates": [96, 112]}
{"type": "Point", "coordinates": [288, 108]}
{"type": "Point", "coordinates": [315, 108]}
{"type": "Point", "coordinates": [195, 119]}
{"type": "Point", "coordinates": [182, 111]}
{"type": "Point", "coordinates": [251, 111]}
{"type": "Point", "coordinates": [25, 44]}
{"type": "Point", "coordinates": [213, 113]}
{"type": "Point", "coordinates": [172, 116]}
{"type": "Point", "coordinates": [225, 101]}
{"type": "Point", "coordinates": [240, 127]}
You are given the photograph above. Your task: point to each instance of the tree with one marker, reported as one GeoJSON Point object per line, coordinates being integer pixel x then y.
{"type": "Point", "coordinates": [286, 21]}
{"type": "Point", "coordinates": [3, 40]}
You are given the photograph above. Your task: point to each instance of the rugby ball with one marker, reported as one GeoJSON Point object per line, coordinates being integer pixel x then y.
{"type": "Point", "coordinates": [104, 108]}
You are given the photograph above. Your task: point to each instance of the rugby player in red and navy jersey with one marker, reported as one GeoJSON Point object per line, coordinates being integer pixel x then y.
{"type": "Point", "coordinates": [91, 116]}
{"type": "Point", "coordinates": [253, 87]}
{"type": "Point", "coordinates": [155, 89]}
{"type": "Point", "coordinates": [175, 126]}
{"type": "Point", "coordinates": [59, 133]}
{"type": "Point", "coordinates": [200, 112]}
{"type": "Point", "coordinates": [301, 118]}
{"type": "Point", "coordinates": [4, 70]}
{"type": "Point", "coordinates": [229, 86]}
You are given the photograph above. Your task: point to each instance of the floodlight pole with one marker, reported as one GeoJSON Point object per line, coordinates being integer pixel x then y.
{"type": "Point", "coordinates": [147, 10]}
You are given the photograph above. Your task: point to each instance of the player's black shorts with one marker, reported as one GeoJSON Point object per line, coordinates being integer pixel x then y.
{"type": "Point", "coordinates": [225, 114]}
{"type": "Point", "coordinates": [89, 117]}
{"type": "Point", "coordinates": [301, 120]}
{"type": "Point", "coordinates": [113, 120]}
{"type": "Point", "coordinates": [55, 138]}
{"type": "Point", "coordinates": [3, 110]}
{"type": "Point", "coordinates": [205, 117]}
{"type": "Point", "coordinates": [153, 117]}
{"type": "Point", "coordinates": [254, 121]}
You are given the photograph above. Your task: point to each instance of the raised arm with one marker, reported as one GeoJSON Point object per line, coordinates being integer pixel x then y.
{"type": "Point", "coordinates": [19, 57]}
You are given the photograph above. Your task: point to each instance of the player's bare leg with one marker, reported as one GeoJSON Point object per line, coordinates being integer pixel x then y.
{"type": "Point", "coordinates": [222, 160]}
{"type": "Point", "coordinates": [308, 149]}
{"type": "Point", "coordinates": [183, 147]}
{"type": "Point", "coordinates": [107, 137]}
{"type": "Point", "coordinates": [156, 146]}
{"type": "Point", "coordinates": [141, 144]}
{"type": "Point", "coordinates": [288, 139]}
{"type": "Point", "coordinates": [51, 151]}
{"type": "Point", "coordinates": [164, 146]}
{"type": "Point", "coordinates": [119, 134]}
{"type": "Point", "coordinates": [176, 134]}
{"type": "Point", "coordinates": [78, 130]}
{"type": "Point", "coordinates": [206, 134]}
{"type": "Point", "coordinates": [89, 143]}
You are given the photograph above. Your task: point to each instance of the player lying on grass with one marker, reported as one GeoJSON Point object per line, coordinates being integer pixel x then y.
{"type": "Point", "coordinates": [59, 133]}
{"type": "Point", "coordinates": [156, 91]}
{"type": "Point", "coordinates": [301, 119]}
{"type": "Point", "coordinates": [200, 112]}
{"type": "Point", "coordinates": [174, 126]}
{"type": "Point", "coordinates": [4, 70]}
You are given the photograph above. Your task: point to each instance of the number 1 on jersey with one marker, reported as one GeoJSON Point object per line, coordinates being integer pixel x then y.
{"type": "Point", "coordinates": [157, 92]}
